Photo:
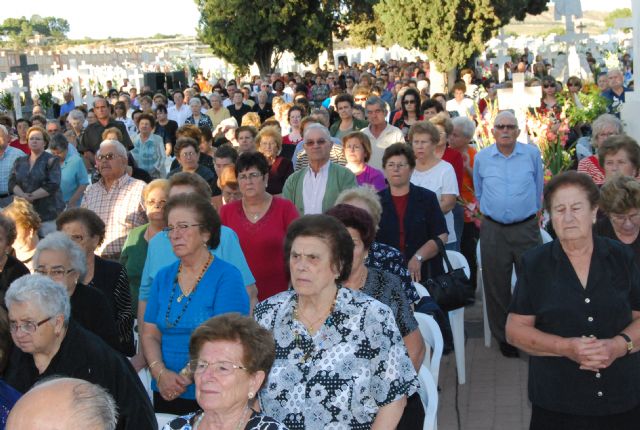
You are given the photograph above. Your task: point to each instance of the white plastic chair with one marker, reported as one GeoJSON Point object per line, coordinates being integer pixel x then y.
{"type": "Point", "coordinates": [432, 336]}
{"type": "Point", "coordinates": [164, 419]}
{"type": "Point", "coordinates": [428, 392]}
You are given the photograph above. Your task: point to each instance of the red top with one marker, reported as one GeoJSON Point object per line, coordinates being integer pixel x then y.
{"type": "Point", "coordinates": [262, 242]}
{"type": "Point", "coordinates": [287, 140]}
{"type": "Point", "coordinates": [454, 158]}
{"type": "Point", "coordinates": [24, 148]}
{"type": "Point", "coordinates": [400, 203]}
{"type": "Point", "coordinates": [591, 166]}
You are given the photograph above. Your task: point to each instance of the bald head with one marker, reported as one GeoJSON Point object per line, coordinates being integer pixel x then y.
{"type": "Point", "coordinates": [78, 404]}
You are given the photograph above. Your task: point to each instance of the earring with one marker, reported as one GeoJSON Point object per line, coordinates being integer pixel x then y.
{"type": "Point", "coordinates": [251, 395]}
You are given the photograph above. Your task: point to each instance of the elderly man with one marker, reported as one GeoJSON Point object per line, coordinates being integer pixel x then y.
{"type": "Point", "coordinates": [116, 198]}
{"type": "Point", "coordinates": [92, 135]}
{"type": "Point", "coordinates": [380, 132]}
{"type": "Point", "coordinates": [508, 180]}
{"type": "Point", "coordinates": [8, 155]}
{"type": "Point", "coordinates": [616, 91]}
{"type": "Point", "coordinates": [314, 189]}
{"type": "Point", "coordinates": [50, 343]}
{"type": "Point", "coordinates": [180, 111]}
{"type": "Point", "coordinates": [79, 404]}
{"type": "Point", "coordinates": [68, 104]}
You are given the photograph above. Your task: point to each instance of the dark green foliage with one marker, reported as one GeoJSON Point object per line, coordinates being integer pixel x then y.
{"type": "Point", "coordinates": [20, 30]}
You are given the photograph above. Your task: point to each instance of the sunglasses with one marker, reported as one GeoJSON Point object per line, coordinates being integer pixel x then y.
{"type": "Point", "coordinates": [505, 126]}
{"type": "Point", "coordinates": [548, 86]}
{"type": "Point", "coordinates": [573, 84]}
{"type": "Point", "coordinates": [409, 102]}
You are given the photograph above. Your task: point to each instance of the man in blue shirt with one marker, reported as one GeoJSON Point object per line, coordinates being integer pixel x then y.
{"type": "Point", "coordinates": [508, 181]}
{"type": "Point", "coordinates": [8, 155]}
{"type": "Point", "coordinates": [615, 94]}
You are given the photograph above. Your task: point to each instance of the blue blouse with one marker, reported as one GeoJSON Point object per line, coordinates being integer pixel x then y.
{"type": "Point", "coordinates": [221, 290]}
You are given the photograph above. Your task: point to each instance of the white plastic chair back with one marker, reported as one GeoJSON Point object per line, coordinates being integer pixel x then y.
{"type": "Point", "coordinates": [432, 336]}
{"type": "Point", "coordinates": [429, 396]}
{"type": "Point", "coordinates": [420, 289]}
{"type": "Point", "coordinates": [456, 318]}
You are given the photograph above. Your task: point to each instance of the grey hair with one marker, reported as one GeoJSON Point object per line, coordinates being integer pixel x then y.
{"type": "Point", "coordinates": [195, 101]}
{"type": "Point", "coordinates": [467, 126]}
{"type": "Point", "coordinates": [119, 147]}
{"type": "Point", "coordinates": [316, 126]}
{"type": "Point", "coordinates": [323, 113]}
{"type": "Point", "coordinates": [59, 141]}
{"type": "Point", "coordinates": [93, 406]}
{"type": "Point", "coordinates": [375, 100]}
{"type": "Point", "coordinates": [76, 115]}
{"type": "Point", "coordinates": [604, 120]}
{"type": "Point", "coordinates": [98, 98]}
{"type": "Point", "coordinates": [49, 296]}
{"type": "Point", "coordinates": [506, 113]}
{"type": "Point", "coordinates": [60, 242]}
{"type": "Point", "coordinates": [215, 96]}
{"type": "Point", "coordinates": [4, 130]}
{"type": "Point", "coordinates": [366, 194]}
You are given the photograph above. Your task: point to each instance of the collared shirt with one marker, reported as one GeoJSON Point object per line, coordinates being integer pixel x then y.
{"type": "Point", "coordinates": [388, 137]}
{"type": "Point", "coordinates": [203, 121]}
{"type": "Point", "coordinates": [301, 159]}
{"type": "Point", "coordinates": [509, 188]}
{"type": "Point", "coordinates": [179, 115]}
{"type": "Point", "coordinates": [92, 136]}
{"type": "Point", "coordinates": [120, 208]}
{"type": "Point", "coordinates": [150, 155]}
{"type": "Point", "coordinates": [313, 189]}
{"type": "Point", "coordinates": [8, 157]}
{"type": "Point", "coordinates": [74, 174]}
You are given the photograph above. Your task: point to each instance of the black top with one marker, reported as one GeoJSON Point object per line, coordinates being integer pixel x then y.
{"type": "Point", "coordinates": [206, 174]}
{"type": "Point", "coordinates": [423, 222]}
{"type": "Point", "coordinates": [90, 309]}
{"type": "Point", "coordinates": [604, 228]}
{"type": "Point", "coordinates": [279, 171]}
{"type": "Point", "coordinates": [549, 289]}
{"type": "Point", "coordinates": [13, 269]}
{"type": "Point", "coordinates": [239, 113]}
{"type": "Point", "coordinates": [92, 136]}
{"type": "Point", "coordinates": [167, 132]}
{"type": "Point", "coordinates": [84, 355]}
{"type": "Point", "coordinates": [265, 113]}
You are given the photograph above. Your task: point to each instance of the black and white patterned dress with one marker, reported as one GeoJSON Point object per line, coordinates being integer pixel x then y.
{"type": "Point", "coordinates": [258, 421]}
{"type": "Point", "coordinates": [339, 378]}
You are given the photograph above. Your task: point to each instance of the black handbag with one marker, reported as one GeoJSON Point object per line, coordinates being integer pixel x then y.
{"type": "Point", "coordinates": [453, 289]}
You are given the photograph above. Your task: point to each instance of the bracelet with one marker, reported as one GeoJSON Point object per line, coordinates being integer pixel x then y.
{"type": "Point", "coordinates": [160, 374]}
{"type": "Point", "coordinates": [155, 363]}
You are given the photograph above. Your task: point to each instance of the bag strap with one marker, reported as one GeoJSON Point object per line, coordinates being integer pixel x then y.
{"type": "Point", "coordinates": [443, 252]}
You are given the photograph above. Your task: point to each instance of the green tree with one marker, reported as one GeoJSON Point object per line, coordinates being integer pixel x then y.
{"type": "Point", "coordinates": [610, 20]}
{"type": "Point", "coordinates": [20, 30]}
{"type": "Point", "coordinates": [247, 31]}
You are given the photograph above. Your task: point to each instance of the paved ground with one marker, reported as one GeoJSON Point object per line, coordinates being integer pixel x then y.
{"type": "Point", "coordinates": [495, 394]}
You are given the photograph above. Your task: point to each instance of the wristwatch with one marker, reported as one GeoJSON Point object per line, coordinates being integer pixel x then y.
{"type": "Point", "coordinates": [629, 342]}
{"type": "Point", "coordinates": [418, 257]}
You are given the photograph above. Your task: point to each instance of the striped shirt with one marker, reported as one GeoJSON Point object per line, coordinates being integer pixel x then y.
{"type": "Point", "coordinates": [591, 167]}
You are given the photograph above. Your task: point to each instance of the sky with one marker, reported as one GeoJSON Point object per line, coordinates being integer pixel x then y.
{"type": "Point", "coordinates": [140, 18]}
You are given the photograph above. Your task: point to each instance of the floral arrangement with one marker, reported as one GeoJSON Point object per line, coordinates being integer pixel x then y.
{"type": "Point", "coordinates": [6, 101]}
{"type": "Point", "coordinates": [46, 97]}
{"type": "Point", "coordinates": [471, 210]}
{"type": "Point", "coordinates": [591, 105]}
{"type": "Point", "coordinates": [483, 136]}
{"type": "Point", "coordinates": [551, 133]}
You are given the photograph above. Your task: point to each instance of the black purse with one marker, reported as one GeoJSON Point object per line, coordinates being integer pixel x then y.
{"type": "Point", "coordinates": [453, 289]}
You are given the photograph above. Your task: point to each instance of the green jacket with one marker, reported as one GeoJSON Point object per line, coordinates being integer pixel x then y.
{"type": "Point", "coordinates": [358, 124]}
{"type": "Point", "coordinates": [340, 178]}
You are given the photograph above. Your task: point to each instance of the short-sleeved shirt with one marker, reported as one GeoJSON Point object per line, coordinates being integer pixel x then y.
{"type": "Point", "coordinates": [549, 289]}
{"type": "Point", "coordinates": [340, 377]}
{"type": "Point", "coordinates": [74, 174]}
{"type": "Point", "coordinates": [8, 157]}
{"type": "Point", "coordinates": [384, 257]}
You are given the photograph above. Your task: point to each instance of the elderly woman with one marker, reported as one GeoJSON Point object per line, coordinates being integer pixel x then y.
{"type": "Point", "coordinates": [233, 353]}
{"type": "Point", "coordinates": [197, 118]}
{"type": "Point", "coordinates": [620, 201]}
{"type": "Point", "coordinates": [86, 229]}
{"type": "Point", "coordinates": [62, 260]}
{"type": "Point", "coordinates": [263, 107]}
{"type": "Point", "coordinates": [8, 395]}
{"type": "Point", "coordinates": [185, 294]}
{"type": "Point", "coordinates": [356, 148]}
{"type": "Point", "coordinates": [134, 252]}
{"type": "Point", "coordinates": [37, 178]}
{"type": "Point", "coordinates": [619, 155]}
{"type": "Point", "coordinates": [603, 127]}
{"type": "Point", "coordinates": [76, 124]}
{"type": "Point", "coordinates": [74, 174]}
{"type": "Point", "coordinates": [50, 343]}
{"type": "Point", "coordinates": [413, 232]}
{"type": "Point", "coordinates": [187, 152]}
{"type": "Point", "coordinates": [576, 312]}
{"type": "Point", "coordinates": [148, 148]}
{"type": "Point", "coordinates": [27, 223]}
{"type": "Point", "coordinates": [321, 329]}
{"type": "Point", "coordinates": [10, 267]}
{"type": "Point", "coordinates": [260, 220]}
{"type": "Point", "coordinates": [218, 112]}
{"type": "Point", "coordinates": [269, 143]}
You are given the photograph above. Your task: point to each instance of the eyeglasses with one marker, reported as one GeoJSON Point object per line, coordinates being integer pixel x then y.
{"type": "Point", "coordinates": [188, 154]}
{"type": "Point", "coordinates": [318, 142]}
{"type": "Point", "coordinates": [219, 368]}
{"type": "Point", "coordinates": [249, 176]}
{"type": "Point", "coordinates": [394, 166]}
{"type": "Point", "coordinates": [505, 126]}
{"type": "Point", "coordinates": [621, 219]}
{"type": "Point", "coordinates": [360, 99]}
{"type": "Point", "coordinates": [548, 86]}
{"type": "Point", "coordinates": [110, 156]}
{"type": "Point", "coordinates": [409, 102]}
{"type": "Point", "coordinates": [179, 227]}
{"type": "Point", "coordinates": [28, 327]}
{"type": "Point", "coordinates": [153, 203]}
{"type": "Point", "coordinates": [54, 273]}
{"type": "Point", "coordinates": [377, 111]}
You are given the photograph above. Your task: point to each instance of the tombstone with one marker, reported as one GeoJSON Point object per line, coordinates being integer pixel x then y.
{"type": "Point", "coordinates": [24, 69]}
{"type": "Point", "coordinates": [75, 79]}
{"type": "Point", "coordinates": [519, 99]}
{"type": "Point", "coordinates": [631, 108]}
{"type": "Point", "coordinates": [15, 91]}
{"type": "Point", "coordinates": [55, 67]}
{"type": "Point", "coordinates": [502, 58]}
{"type": "Point", "coordinates": [137, 79]}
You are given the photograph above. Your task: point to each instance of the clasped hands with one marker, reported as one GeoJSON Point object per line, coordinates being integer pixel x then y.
{"type": "Point", "coordinates": [595, 354]}
{"type": "Point", "coordinates": [171, 384]}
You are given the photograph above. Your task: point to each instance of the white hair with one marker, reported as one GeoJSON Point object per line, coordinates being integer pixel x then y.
{"type": "Point", "coordinates": [76, 115]}
{"type": "Point", "coordinates": [119, 147]}
{"type": "Point", "coordinates": [319, 127]}
{"type": "Point", "coordinates": [195, 101]}
{"type": "Point", "coordinates": [49, 296]}
{"type": "Point", "coordinates": [467, 126]}
{"type": "Point", "coordinates": [508, 114]}
{"type": "Point", "coordinates": [59, 242]}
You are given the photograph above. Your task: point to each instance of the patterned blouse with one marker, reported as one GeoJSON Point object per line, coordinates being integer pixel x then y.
{"type": "Point", "coordinates": [258, 421]}
{"type": "Point", "coordinates": [340, 377]}
{"type": "Point", "coordinates": [384, 257]}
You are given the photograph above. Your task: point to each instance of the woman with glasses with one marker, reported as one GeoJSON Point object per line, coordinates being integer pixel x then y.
{"type": "Point", "coordinates": [86, 229]}
{"type": "Point", "coordinates": [231, 356]}
{"type": "Point", "coordinates": [184, 294]}
{"type": "Point", "coordinates": [549, 104]}
{"type": "Point", "coordinates": [410, 111]}
{"type": "Point", "coordinates": [59, 258]}
{"type": "Point", "coordinates": [605, 126]}
{"type": "Point", "coordinates": [187, 152]}
{"type": "Point", "coordinates": [356, 148]}
{"type": "Point", "coordinates": [37, 177]}
{"type": "Point", "coordinates": [260, 220]}
{"type": "Point", "coordinates": [51, 343]}
{"type": "Point", "coordinates": [620, 201]}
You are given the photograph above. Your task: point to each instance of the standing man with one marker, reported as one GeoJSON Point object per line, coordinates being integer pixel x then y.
{"type": "Point", "coordinates": [380, 132]}
{"type": "Point", "coordinates": [8, 155]}
{"type": "Point", "coordinates": [508, 180]}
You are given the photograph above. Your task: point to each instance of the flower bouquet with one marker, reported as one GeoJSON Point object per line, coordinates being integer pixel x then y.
{"type": "Point", "coordinates": [590, 105]}
{"type": "Point", "coordinates": [483, 136]}
{"type": "Point", "coordinates": [551, 133]}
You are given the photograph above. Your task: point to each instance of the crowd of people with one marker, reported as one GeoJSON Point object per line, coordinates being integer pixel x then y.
{"type": "Point", "coordinates": [253, 247]}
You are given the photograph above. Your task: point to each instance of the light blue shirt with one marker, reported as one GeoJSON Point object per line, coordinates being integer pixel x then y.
{"type": "Point", "coordinates": [150, 155]}
{"type": "Point", "coordinates": [74, 174]}
{"type": "Point", "coordinates": [509, 189]}
{"type": "Point", "coordinates": [7, 159]}
{"type": "Point", "coordinates": [160, 254]}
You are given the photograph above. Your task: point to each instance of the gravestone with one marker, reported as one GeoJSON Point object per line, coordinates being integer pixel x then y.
{"type": "Point", "coordinates": [631, 108]}
{"type": "Point", "coordinates": [75, 79]}
{"type": "Point", "coordinates": [24, 69]}
{"type": "Point", "coordinates": [15, 91]}
{"type": "Point", "coordinates": [502, 58]}
{"type": "Point", "coordinates": [519, 99]}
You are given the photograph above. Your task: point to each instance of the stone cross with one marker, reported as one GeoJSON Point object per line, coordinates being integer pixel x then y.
{"type": "Point", "coordinates": [15, 91]}
{"type": "Point", "coordinates": [502, 57]}
{"type": "Point", "coordinates": [55, 67]}
{"type": "Point", "coordinates": [137, 79]}
{"type": "Point", "coordinates": [520, 99]}
{"type": "Point", "coordinates": [24, 69]}
{"type": "Point", "coordinates": [75, 78]}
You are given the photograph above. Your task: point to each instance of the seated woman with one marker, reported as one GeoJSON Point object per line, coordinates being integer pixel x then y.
{"type": "Point", "coordinates": [269, 143]}
{"type": "Point", "coordinates": [197, 118]}
{"type": "Point", "coordinates": [184, 294]}
{"type": "Point", "coordinates": [187, 152]}
{"type": "Point", "coordinates": [356, 148]}
{"type": "Point", "coordinates": [322, 330]}
{"type": "Point", "coordinates": [620, 201]}
{"type": "Point", "coordinates": [59, 258]}
{"type": "Point", "coordinates": [619, 155]}
{"type": "Point", "coordinates": [603, 127]}
{"type": "Point", "coordinates": [10, 267]}
{"type": "Point", "coordinates": [86, 229]}
{"type": "Point", "coordinates": [27, 223]}
{"type": "Point", "coordinates": [49, 343]}
{"type": "Point", "coordinates": [239, 354]}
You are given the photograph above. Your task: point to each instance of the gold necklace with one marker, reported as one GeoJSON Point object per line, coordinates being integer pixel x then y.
{"type": "Point", "coordinates": [204, 269]}
{"type": "Point", "coordinates": [322, 318]}
{"type": "Point", "coordinates": [256, 215]}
